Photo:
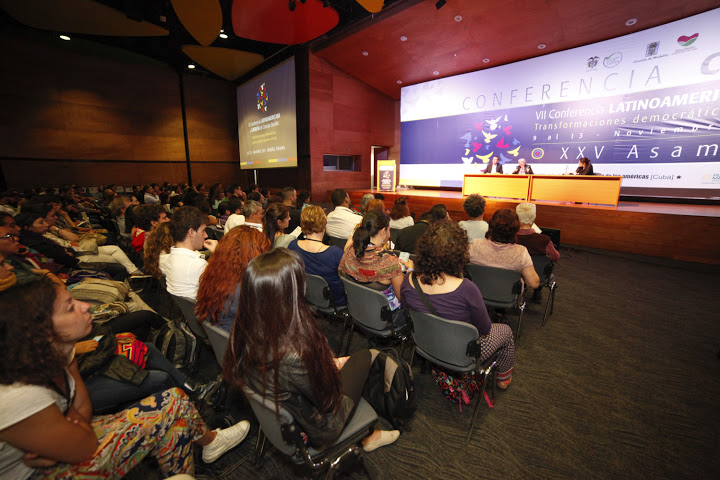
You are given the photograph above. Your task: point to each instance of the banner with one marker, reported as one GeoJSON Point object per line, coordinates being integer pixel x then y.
{"type": "Point", "coordinates": [645, 106]}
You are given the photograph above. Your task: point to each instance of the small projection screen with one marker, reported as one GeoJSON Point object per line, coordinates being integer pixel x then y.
{"type": "Point", "coordinates": [267, 127]}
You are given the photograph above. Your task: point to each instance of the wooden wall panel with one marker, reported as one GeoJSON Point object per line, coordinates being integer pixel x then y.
{"type": "Point", "coordinates": [70, 117]}
{"type": "Point", "coordinates": [346, 117]}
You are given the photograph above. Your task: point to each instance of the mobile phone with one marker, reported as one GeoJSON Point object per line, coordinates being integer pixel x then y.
{"type": "Point", "coordinates": [97, 339]}
{"type": "Point", "coordinates": [404, 256]}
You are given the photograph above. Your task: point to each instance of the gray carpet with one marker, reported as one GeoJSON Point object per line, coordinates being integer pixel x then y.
{"type": "Point", "coordinates": [623, 382]}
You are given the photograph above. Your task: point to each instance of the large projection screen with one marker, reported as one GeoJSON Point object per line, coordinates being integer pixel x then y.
{"type": "Point", "coordinates": [645, 106]}
{"type": "Point", "coordinates": [267, 126]}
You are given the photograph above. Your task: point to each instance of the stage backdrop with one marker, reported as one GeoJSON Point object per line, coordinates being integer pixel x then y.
{"type": "Point", "coordinates": [645, 106]}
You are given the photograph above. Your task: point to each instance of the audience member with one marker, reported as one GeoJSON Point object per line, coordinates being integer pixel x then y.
{"type": "Point", "coordinates": [277, 350]}
{"type": "Point", "coordinates": [150, 197]}
{"type": "Point", "coordinates": [118, 207]}
{"type": "Point", "coordinates": [536, 243]}
{"type": "Point", "coordinates": [219, 293]}
{"type": "Point", "coordinates": [184, 265]}
{"type": "Point", "coordinates": [500, 249]}
{"type": "Point", "coordinates": [235, 206]}
{"type": "Point", "coordinates": [319, 259]}
{"type": "Point", "coordinates": [158, 242]}
{"type": "Point", "coordinates": [275, 222]}
{"type": "Point", "coordinates": [363, 203]}
{"type": "Point", "coordinates": [367, 262]}
{"type": "Point", "coordinates": [476, 227]}
{"type": "Point", "coordinates": [289, 199]}
{"type": "Point", "coordinates": [41, 390]}
{"type": "Point", "coordinates": [253, 212]}
{"type": "Point", "coordinates": [400, 214]}
{"type": "Point", "coordinates": [439, 264]}
{"type": "Point", "coordinates": [408, 236]}
{"type": "Point", "coordinates": [146, 217]}
{"type": "Point", "coordinates": [342, 221]}
{"type": "Point", "coordinates": [303, 200]}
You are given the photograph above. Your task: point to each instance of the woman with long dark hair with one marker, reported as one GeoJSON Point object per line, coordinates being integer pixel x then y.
{"type": "Point", "coordinates": [219, 292]}
{"type": "Point", "coordinates": [46, 425]}
{"type": "Point", "coordinates": [277, 350]}
{"type": "Point", "coordinates": [367, 262]}
{"type": "Point", "coordinates": [441, 256]}
{"type": "Point", "coordinates": [275, 220]}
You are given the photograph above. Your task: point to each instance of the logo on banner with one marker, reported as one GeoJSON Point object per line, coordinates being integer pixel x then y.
{"type": "Point", "coordinates": [592, 62]}
{"type": "Point", "coordinates": [613, 60]}
{"type": "Point", "coordinates": [652, 49]}
{"type": "Point", "coordinates": [684, 41]}
{"type": "Point", "coordinates": [497, 140]}
{"type": "Point", "coordinates": [262, 98]}
{"type": "Point", "coordinates": [537, 153]}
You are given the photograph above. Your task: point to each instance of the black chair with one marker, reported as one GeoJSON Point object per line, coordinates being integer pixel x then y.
{"type": "Point", "coordinates": [319, 295]}
{"type": "Point", "coordinates": [544, 268]}
{"type": "Point", "coordinates": [393, 234]}
{"type": "Point", "coordinates": [370, 312]}
{"type": "Point", "coordinates": [453, 345]}
{"type": "Point", "coordinates": [187, 307]}
{"type": "Point", "coordinates": [285, 434]}
{"type": "Point", "coordinates": [500, 288]}
{"type": "Point", "coordinates": [338, 242]}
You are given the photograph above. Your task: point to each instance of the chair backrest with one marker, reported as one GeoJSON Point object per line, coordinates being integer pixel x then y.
{"type": "Point", "coordinates": [271, 425]}
{"type": "Point", "coordinates": [365, 305]}
{"type": "Point", "coordinates": [394, 233]}
{"type": "Point", "coordinates": [338, 242]}
{"type": "Point", "coordinates": [317, 291]}
{"type": "Point", "coordinates": [443, 341]}
{"type": "Point", "coordinates": [542, 264]}
{"type": "Point", "coordinates": [218, 338]}
{"type": "Point", "coordinates": [187, 307]}
{"type": "Point", "coordinates": [497, 285]}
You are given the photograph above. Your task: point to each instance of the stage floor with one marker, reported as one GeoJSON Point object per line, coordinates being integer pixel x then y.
{"type": "Point", "coordinates": [667, 230]}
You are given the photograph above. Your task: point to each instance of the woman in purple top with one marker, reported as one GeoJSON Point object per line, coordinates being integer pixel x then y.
{"type": "Point", "coordinates": [439, 267]}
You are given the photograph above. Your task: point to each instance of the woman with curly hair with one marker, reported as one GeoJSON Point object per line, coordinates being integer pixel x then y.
{"type": "Point", "coordinates": [158, 241]}
{"type": "Point", "coordinates": [501, 251]}
{"type": "Point", "coordinates": [400, 214]}
{"type": "Point", "coordinates": [439, 263]}
{"type": "Point", "coordinates": [41, 391]}
{"type": "Point", "coordinates": [218, 295]}
{"type": "Point", "coordinates": [476, 227]}
{"type": "Point", "coordinates": [277, 350]}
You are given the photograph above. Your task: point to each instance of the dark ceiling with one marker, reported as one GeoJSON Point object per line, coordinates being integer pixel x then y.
{"type": "Point", "coordinates": [407, 42]}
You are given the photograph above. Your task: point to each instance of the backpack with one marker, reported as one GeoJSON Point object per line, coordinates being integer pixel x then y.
{"type": "Point", "coordinates": [177, 343]}
{"type": "Point", "coordinates": [390, 388]}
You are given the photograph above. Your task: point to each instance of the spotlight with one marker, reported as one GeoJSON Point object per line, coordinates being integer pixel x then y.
{"type": "Point", "coordinates": [64, 37]}
{"type": "Point", "coordinates": [291, 5]}
{"type": "Point", "coordinates": [440, 3]}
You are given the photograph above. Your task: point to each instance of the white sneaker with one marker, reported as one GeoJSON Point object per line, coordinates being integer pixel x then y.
{"type": "Point", "coordinates": [386, 438]}
{"type": "Point", "coordinates": [226, 439]}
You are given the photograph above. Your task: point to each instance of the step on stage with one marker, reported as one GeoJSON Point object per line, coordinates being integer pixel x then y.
{"type": "Point", "coordinates": [677, 231]}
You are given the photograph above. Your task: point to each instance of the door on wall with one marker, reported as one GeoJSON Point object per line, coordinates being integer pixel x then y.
{"type": "Point", "coordinates": [377, 153]}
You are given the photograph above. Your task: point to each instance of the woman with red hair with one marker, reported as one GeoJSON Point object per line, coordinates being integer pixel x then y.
{"type": "Point", "coordinates": [218, 294]}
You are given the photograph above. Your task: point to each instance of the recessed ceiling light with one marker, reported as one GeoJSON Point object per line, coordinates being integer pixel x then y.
{"type": "Point", "coordinates": [191, 66]}
{"type": "Point", "coordinates": [541, 46]}
{"type": "Point", "coordinates": [223, 35]}
{"type": "Point", "coordinates": [436, 72]}
{"type": "Point", "coordinates": [399, 82]}
{"type": "Point", "coordinates": [631, 22]}
{"type": "Point", "coordinates": [64, 37]}
{"type": "Point", "coordinates": [458, 18]}
{"type": "Point", "coordinates": [486, 60]}
{"type": "Point", "coordinates": [403, 38]}
{"type": "Point", "coordinates": [366, 54]}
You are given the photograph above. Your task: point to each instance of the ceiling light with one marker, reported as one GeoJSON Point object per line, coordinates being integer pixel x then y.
{"type": "Point", "coordinates": [541, 46]}
{"type": "Point", "coordinates": [191, 66]}
{"type": "Point", "coordinates": [458, 18]}
{"type": "Point", "coordinates": [399, 82]}
{"type": "Point", "coordinates": [223, 35]}
{"type": "Point", "coordinates": [440, 3]}
{"type": "Point", "coordinates": [291, 5]}
{"type": "Point", "coordinates": [64, 37]}
{"type": "Point", "coordinates": [403, 38]}
{"type": "Point", "coordinates": [486, 60]}
{"type": "Point", "coordinates": [436, 72]}
{"type": "Point", "coordinates": [631, 22]}
{"type": "Point", "coordinates": [365, 54]}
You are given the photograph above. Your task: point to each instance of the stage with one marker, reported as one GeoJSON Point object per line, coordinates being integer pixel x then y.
{"type": "Point", "coordinates": [677, 231]}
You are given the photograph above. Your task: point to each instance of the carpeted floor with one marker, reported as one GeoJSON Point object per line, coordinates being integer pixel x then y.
{"type": "Point", "coordinates": [623, 382]}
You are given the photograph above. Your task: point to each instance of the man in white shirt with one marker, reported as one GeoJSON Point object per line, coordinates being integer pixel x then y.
{"type": "Point", "coordinates": [253, 212]}
{"type": "Point", "coordinates": [150, 196]}
{"type": "Point", "coordinates": [236, 218]}
{"type": "Point", "coordinates": [183, 266]}
{"type": "Point", "coordinates": [342, 221]}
